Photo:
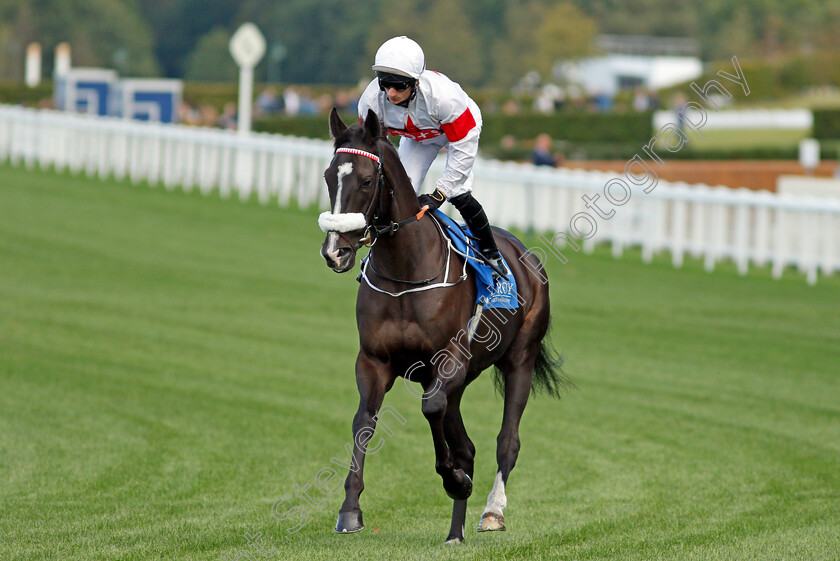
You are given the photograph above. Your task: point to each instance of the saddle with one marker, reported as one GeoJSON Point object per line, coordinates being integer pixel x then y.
{"type": "Point", "coordinates": [492, 293]}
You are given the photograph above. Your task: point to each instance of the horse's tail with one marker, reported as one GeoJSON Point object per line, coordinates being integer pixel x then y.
{"type": "Point", "coordinates": [548, 373]}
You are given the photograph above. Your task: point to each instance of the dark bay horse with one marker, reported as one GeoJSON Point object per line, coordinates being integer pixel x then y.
{"type": "Point", "coordinates": [412, 312]}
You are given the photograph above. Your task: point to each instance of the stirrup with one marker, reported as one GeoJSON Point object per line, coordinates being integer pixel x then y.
{"type": "Point", "coordinates": [498, 266]}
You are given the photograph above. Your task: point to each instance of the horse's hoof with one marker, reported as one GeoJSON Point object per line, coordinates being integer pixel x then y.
{"type": "Point", "coordinates": [462, 488]}
{"type": "Point", "coordinates": [490, 521]}
{"type": "Point", "coordinates": [454, 541]}
{"type": "Point", "coordinates": [349, 522]}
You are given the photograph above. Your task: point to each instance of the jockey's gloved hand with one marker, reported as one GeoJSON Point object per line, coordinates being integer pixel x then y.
{"type": "Point", "coordinates": [434, 200]}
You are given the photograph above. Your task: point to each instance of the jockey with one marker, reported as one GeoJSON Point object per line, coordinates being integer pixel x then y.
{"type": "Point", "coordinates": [431, 112]}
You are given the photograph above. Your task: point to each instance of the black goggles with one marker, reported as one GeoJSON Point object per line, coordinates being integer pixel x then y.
{"type": "Point", "coordinates": [399, 83]}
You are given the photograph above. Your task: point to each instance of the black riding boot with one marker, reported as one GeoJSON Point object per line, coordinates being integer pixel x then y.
{"type": "Point", "coordinates": [473, 214]}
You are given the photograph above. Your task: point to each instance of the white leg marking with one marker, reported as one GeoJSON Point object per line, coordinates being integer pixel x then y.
{"type": "Point", "coordinates": [497, 500]}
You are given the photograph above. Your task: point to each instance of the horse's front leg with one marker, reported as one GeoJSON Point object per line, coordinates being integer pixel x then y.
{"type": "Point", "coordinates": [449, 377]}
{"type": "Point", "coordinates": [372, 378]}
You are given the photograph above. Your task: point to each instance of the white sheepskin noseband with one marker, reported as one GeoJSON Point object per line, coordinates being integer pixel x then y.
{"type": "Point", "coordinates": [343, 222]}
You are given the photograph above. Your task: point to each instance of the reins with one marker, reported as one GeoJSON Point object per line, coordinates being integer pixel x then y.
{"type": "Point", "coordinates": [444, 284]}
{"type": "Point", "coordinates": [369, 263]}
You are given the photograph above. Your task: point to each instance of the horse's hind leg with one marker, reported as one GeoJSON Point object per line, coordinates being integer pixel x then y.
{"type": "Point", "coordinates": [517, 389]}
{"type": "Point", "coordinates": [463, 454]}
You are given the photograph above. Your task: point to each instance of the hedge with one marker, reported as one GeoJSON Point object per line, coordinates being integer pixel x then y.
{"type": "Point", "coordinates": [596, 144]}
{"type": "Point", "coordinates": [18, 93]}
{"type": "Point", "coordinates": [571, 127]}
{"type": "Point", "coordinates": [604, 128]}
{"type": "Point", "coordinates": [310, 126]}
{"type": "Point", "coordinates": [827, 124]}
{"type": "Point", "coordinates": [829, 151]}
{"type": "Point", "coordinates": [521, 151]}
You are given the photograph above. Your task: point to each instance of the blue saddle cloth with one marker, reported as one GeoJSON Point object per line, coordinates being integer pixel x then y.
{"type": "Point", "coordinates": [501, 294]}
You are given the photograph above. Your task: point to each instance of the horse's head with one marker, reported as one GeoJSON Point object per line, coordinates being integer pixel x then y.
{"type": "Point", "coordinates": [355, 181]}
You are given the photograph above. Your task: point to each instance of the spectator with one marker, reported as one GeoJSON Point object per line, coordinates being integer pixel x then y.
{"type": "Point", "coordinates": [603, 101]}
{"type": "Point", "coordinates": [641, 100]}
{"type": "Point", "coordinates": [266, 102]}
{"type": "Point", "coordinates": [325, 102]}
{"type": "Point", "coordinates": [291, 100]}
{"type": "Point", "coordinates": [542, 154]}
{"type": "Point", "coordinates": [208, 115]}
{"type": "Point", "coordinates": [227, 120]}
{"type": "Point", "coordinates": [188, 115]}
{"type": "Point", "coordinates": [510, 107]}
{"type": "Point", "coordinates": [680, 101]}
{"type": "Point", "coordinates": [347, 102]}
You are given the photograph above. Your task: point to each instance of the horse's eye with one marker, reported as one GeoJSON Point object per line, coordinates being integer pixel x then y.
{"type": "Point", "coordinates": [367, 183]}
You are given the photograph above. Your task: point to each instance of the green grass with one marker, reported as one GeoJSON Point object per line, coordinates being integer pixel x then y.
{"type": "Point", "coordinates": [818, 98]}
{"type": "Point", "coordinates": [743, 139]}
{"type": "Point", "coordinates": [729, 139]}
{"type": "Point", "coordinates": [171, 364]}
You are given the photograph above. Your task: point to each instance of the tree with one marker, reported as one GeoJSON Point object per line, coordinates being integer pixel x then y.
{"type": "Point", "coordinates": [179, 24]}
{"type": "Point", "coordinates": [432, 25]}
{"type": "Point", "coordinates": [512, 50]}
{"type": "Point", "coordinates": [95, 29]}
{"type": "Point", "coordinates": [565, 33]}
{"type": "Point", "coordinates": [211, 59]}
{"type": "Point", "coordinates": [664, 18]}
{"type": "Point", "coordinates": [735, 37]}
{"type": "Point", "coordinates": [324, 39]}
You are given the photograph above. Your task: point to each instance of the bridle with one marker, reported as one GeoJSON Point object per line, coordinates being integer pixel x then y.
{"type": "Point", "coordinates": [373, 232]}
{"type": "Point", "coordinates": [380, 183]}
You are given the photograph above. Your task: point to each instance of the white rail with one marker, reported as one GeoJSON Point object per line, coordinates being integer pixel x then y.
{"type": "Point", "coordinates": [712, 223]}
{"type": "Point", "coordinates": [797, 119]}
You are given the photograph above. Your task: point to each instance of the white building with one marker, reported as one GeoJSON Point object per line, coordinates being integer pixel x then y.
{"type": "Point", "coordinates": [634, 61]}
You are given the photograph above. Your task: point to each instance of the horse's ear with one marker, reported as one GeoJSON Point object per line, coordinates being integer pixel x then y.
{"type": "Point", "coordinates": [372, 128]}
{"type": "Point", "coordinates": [337, 126]}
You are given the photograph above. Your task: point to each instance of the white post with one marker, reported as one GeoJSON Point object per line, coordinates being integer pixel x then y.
{"type": "Point", "coordinates": [678, 228]}
{"type": "Point", "coordinates": [762, 230]}
{"type": "Point", "coordinates": [247, 47]}
{"type": "Point", "coordinates": [829, 260]}
{"type": "Point", "coordinates": [246, 92]}
{"type": "Point", "coordinates": [33, 65]}
{"type": "Point", "coordinates": [62, 60]}
{"type": "Point", "coordinates": [742, 221]}
{"type": "Point", "coordinates": [809, 154]}
{"type": "Point", "coordinates": [780, 243]}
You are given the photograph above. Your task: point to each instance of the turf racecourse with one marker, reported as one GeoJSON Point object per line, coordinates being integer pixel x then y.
{"type": "Point", "coordinates": [171, 364]}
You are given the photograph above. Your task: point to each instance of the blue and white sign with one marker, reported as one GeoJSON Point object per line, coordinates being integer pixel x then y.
{"type": "Point", "coordinates": [143, 99]}
{"type": "Point", "coordinates": [85, 90]}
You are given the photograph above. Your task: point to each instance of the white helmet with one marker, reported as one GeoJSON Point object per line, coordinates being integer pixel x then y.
{"type": "Point", "coordinates": [400, 55]}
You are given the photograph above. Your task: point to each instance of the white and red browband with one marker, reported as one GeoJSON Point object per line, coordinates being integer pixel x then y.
{"type": "Point", "coordinates": [373, 157]}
